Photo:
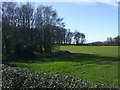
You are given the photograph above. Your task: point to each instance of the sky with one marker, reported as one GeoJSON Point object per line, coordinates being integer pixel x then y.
{"type": "Point", "coordinates": [97, 19]}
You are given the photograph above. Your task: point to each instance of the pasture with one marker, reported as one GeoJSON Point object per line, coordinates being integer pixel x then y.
{"type": "Point", "coordinates": [97, 64]}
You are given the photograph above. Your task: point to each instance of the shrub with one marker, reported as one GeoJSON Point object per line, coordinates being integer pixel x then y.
{"type": "Point", "coordinates": [17, 77]}
{"type": "Point", "coordinates": [24, 51]}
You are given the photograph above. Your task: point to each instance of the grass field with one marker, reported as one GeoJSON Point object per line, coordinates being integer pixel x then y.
{"type": "Point", "coordinates": [97, 64]}
{"type": "Point", "coordinates": [109, 51]}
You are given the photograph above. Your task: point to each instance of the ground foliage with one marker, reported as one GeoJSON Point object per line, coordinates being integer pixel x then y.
{"type": "Point", "coordinates": [17, 77]}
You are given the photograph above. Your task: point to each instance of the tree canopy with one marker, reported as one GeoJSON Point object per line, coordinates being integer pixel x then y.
{"type": "Point", "coordinates": [27, 30]}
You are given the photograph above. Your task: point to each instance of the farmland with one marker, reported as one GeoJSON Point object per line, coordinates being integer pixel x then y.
{"type": "Point", "coordinates": [97, 64]}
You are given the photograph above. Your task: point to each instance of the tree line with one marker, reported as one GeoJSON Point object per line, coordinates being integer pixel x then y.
{"type": "Point", "coordinates": [109, 42]}
{"type": "Point", "coordinates": [28, 31]}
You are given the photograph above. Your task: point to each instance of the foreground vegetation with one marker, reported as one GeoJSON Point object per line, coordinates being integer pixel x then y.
{"type": "Point", "coordinates": [95, 64]}
{"type": "Point", "coordinates": [24, 78]}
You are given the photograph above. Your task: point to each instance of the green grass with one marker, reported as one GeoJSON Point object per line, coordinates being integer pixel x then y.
{"type": "Point", "coordinates": [110, 51]}
{"type": "Point", "coordinates": [97, 64]}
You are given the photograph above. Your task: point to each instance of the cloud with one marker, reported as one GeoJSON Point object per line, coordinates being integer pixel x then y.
{"type": "Point", "coordinates": [109, 2]}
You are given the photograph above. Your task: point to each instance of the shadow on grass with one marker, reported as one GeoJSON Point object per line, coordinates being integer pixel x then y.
{"type": "Point", "coordinates": [76, 57]}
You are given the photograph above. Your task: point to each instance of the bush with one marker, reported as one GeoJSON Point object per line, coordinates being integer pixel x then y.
{"type": "Point", "coordinates": [24, 51]}
{"type": "Point", "coordinates": [61, 53]}
{"type": "Point", "coordinates": [20, 78]}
